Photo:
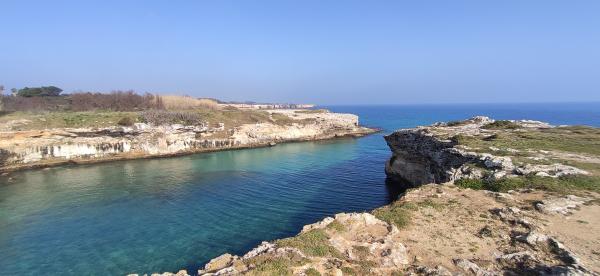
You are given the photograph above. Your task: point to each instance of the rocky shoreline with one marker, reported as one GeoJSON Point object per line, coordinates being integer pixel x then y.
{"type": "Point", "coordinates": [52, 147]}
{"type": "Point", "coordinates": [451, 228]}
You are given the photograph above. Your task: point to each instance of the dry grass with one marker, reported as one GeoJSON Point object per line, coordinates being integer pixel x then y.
{"type": "Point", "coordinates": [175, 102]}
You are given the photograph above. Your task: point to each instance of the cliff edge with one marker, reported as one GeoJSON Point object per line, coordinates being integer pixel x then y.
{"type": "Point", "coordinates": [54, 146]}
{"type": "Point", "coordinates": [513, 198]}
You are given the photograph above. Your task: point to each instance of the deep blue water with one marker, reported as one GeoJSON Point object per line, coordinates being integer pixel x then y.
{"type": "Point", "coordinates": [166, 214]}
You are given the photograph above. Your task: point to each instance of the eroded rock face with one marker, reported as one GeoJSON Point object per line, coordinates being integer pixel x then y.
{"type": "Point", "coordinates": [21, 149]}
{"type": "Point", "coordinates": [420, 158]}
{"type": "Point", "coordinates": [433, 154]}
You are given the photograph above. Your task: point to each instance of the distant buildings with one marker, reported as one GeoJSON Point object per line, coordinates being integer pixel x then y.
{"type": "Point", "coordinates": [267, 106]}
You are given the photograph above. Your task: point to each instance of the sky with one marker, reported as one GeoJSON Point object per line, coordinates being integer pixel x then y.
{"type": "Point", "coordinates": [305, 51]}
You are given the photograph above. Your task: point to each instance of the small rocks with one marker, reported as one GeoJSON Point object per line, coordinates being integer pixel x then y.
{"type": "Point", "coordinates": [563, 252]}
{"type": "Point", "coordinates": [518, 257]}
{"type": "Point", "coordinates": [554, 170]}
{"type": "Point", "coordinates": [482, 120]}
{"type": "Point", "coordinates": [485, 231]}
{"type": "Point", "coordinates": [262, 248]}
{"type": "Point", "coordinates": [318, 225]}
{"type": "Point", "coordinates": [469, 172]}
{"type": "Point", "coordinates": [428, 271]}
{"type": "Point", "coordinates": [179, 273]}
{"type": "Point", "coordinates": [500, 196]}
{"type": "Point", "coordinates": [471, 267]}
{"type": "Point", "coordinates": [499, 162]}
{"type": "Point", "coordinates": [533, 238]}
{"type": "Point", "coordinates": [534, 124]}
{"type": "Point", "coordinates": [562, 205]}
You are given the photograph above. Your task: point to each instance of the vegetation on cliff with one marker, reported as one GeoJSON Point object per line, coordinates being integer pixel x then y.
{"type": "Point", "coordinates": [576, 146]}
{"type": "Point", "coordinates": [125, 108]}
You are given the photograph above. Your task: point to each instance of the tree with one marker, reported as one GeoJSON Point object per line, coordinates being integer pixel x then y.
{"type": "Point", "coordinates": [1, 90]}
{"type": "Point", "coordinates": [13, 91]}
{"type": "Point", "coordinates": [43, 91]}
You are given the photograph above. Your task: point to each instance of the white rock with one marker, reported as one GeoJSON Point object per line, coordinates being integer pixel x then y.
{"type": "Point", "coordinates": [562, 205]}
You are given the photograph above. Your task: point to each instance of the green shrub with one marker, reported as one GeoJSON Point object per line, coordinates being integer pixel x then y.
{"type": "Point", "coordinates": [475, 184]}
{"type": "Point", "coordinates": [563, 184]}
{"type": "Point", "coordinates": [337, 226]}
{"type": "Point", "coordinates": [126, 121]}
{"type": "Point", "coordinates": [272, 266]}
{"type": "Point", "coordinates": [502, 124]}
{"type": "Point", "coordinates": [314, 243]}
{"type": "Point", "coordinates": [44, 91]}
{"type": "Point", "coordinates": [398, 213]}
{"type": "Point", "coordinates": [348, 270]}
{"type": "Point", "coordinates": [312, 272]}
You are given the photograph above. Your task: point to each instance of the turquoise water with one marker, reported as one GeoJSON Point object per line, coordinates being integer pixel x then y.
{"type": "Point", "coordinates": [166, 214]}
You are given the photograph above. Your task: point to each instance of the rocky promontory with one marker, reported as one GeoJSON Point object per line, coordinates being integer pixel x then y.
{"type": "Point", "coordinates": [505, 198]}
{"type": "Point", "coordinates": [46, 147]}
{"type": "Point", "coordinates": [484, 148]}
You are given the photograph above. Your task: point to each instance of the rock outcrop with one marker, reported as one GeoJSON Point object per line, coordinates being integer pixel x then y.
{"type": "Point", "coordinates": [25, 149]}
{"type": "Point", "coordinates": [438, 230]}
{"type": "Point", "coordinates": [435, 154]}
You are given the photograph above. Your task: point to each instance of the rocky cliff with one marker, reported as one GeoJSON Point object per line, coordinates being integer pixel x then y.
{"type": "Point", "coordinates": [518, 206]}
{"type": "Point", "coordinates": [35, 148]}
{"type": "Point", "coordinates": [480, 147]}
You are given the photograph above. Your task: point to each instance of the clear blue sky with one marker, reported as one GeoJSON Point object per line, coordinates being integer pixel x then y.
{"type": "Point", "coordinates": [323, 52]}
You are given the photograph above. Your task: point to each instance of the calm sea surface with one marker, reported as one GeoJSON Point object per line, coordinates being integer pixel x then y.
{"type": "Point", "coordinates": [167, 214]}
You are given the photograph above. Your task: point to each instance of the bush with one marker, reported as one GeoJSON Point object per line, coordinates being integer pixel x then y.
{"type": "Point", "coordinates": [312, 272]}
{"type": "Point", "coordinates": [163, 117]}
{"type": "Point", "coordinates": [10, 103]}
{"type": "Point", "coordinates": [398, 213]}
{"type": "Point", "coordinates": [43, 91]}
{"type": "Point", "coordinates": [115, 101]}
{"type": "Point", "coordinates": [312, 243]}
{"type": "Point", "coordinates": [126, 121]}
{"type": "Point", "coordinates": [502, 124]}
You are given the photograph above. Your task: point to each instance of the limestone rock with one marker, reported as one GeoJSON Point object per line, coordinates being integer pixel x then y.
{"type": "Point", "coordinates": [318, 225]}
{"type": "Point", "coordinates": [554, 170]}
{"type": "Point", "coordinates": [21, 149]}
{"type": "Point", "coordinates": [262, 248]}
{"type": "Point", "coordinates": [218, 263]}
{"type": "Point", "coordinates": [497, 162]}
{"type": "Point", "coordinates": [472, 268]}
{"type": "Point", "coordinates": [533, 238]}
{"type": "Point", "coordinates": [562, 205]}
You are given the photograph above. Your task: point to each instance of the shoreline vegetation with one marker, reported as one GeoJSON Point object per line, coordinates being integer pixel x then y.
{"type": "Point", "coordinates": [40, 128]}
{"type": "Point", "coordinates": [484, 197]}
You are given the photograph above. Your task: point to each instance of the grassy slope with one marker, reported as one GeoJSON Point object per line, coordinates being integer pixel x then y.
{"type": "Point", "coordinates": [65, 119]}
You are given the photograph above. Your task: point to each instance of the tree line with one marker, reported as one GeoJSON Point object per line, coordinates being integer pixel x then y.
{"type": "Point", "coordinates": [49, 98]}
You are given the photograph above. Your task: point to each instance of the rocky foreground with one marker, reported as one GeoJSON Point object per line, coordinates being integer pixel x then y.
{"type": "Point", "coordinates": [439, 230]}
{"type": "Point", "coordinates": [47, 147]}
{"type": "Point", "coordinates": [513, 198]}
